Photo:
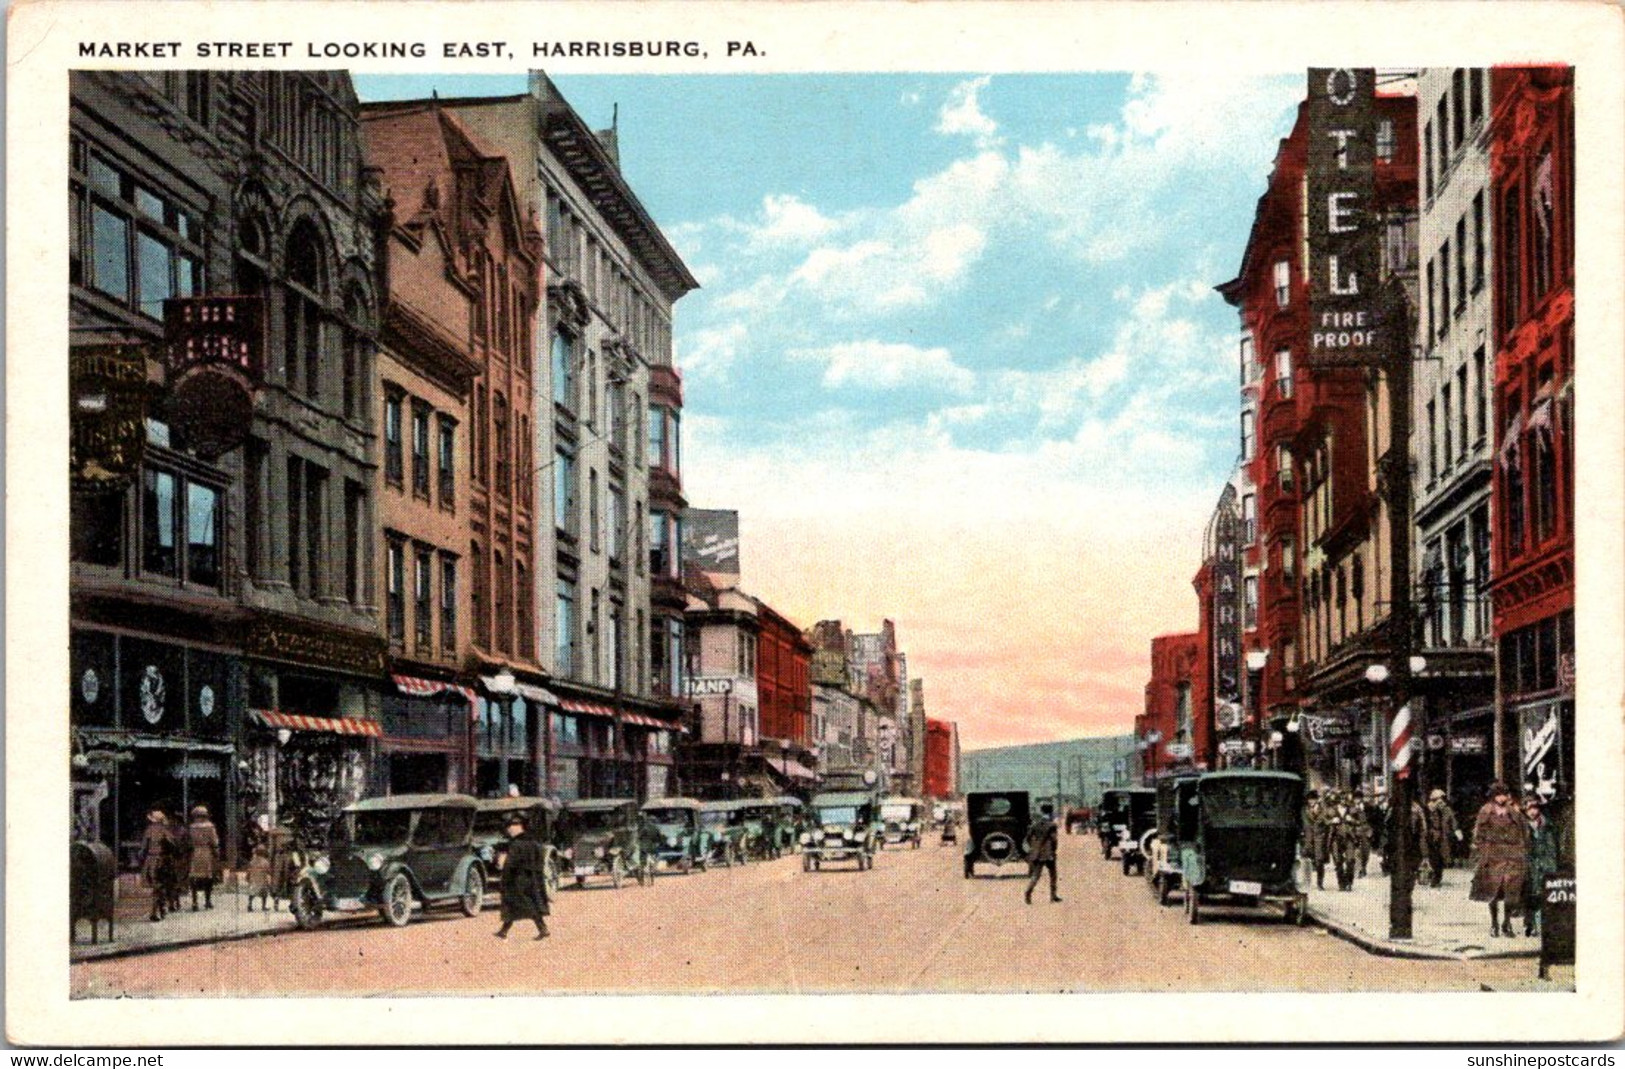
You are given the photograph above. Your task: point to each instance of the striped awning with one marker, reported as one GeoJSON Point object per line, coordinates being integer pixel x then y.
{"type": "Point", "coordinates": [428, 688]}
{"type": "Point", "coordinates": [299, 722]}
{"type": "Point", "coordinates": [570, 705]}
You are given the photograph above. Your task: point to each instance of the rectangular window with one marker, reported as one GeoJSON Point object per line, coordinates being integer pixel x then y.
{"type": "Point", "coordinates": [1427, 161]}
{"type": "Point", "coordinates": [1461, 405]}
{"type": "Point", "coordinates": [1444, 288]}
{"type": "Point", "coordinates": [394, 463]}
{"type": "Point", "coordinates": [1433, 442]}
{"type": "Point", "coordinates": [315, 528]}
{"type": "Point", "coordinates": [1289, 560]}
{"type": "Point", "coordinates": [657, 543]}
{"type": "Point", "coordinates": [1510, 243]}
{"type": "Point", "coordinates": [1444, 136]}
{"type": "Point", "coordinates": [1250, 602]}
{"type": "Point", "coordinates": [1248, 430]}
{"type": "Point", "coordinates": [1249, 518]}
{"type": "Point", "coordinates": [448, 462]}
{"type": "Point", "coordinates": [594, 527]}
{"type": "Point", "coordinates": [1542, 219]}
{"type": "Point", "coordinates": [1446, 425]}
{"type": "Point", "coordinates": [1283, 467]}
{"type": "Point", "coordinates": [1283, 283]}
{"type": "Point", "coordinates": [1482, 393]}
{"type": "Point", "coordinates": [354, 499]}
{"type": "Point", "coordinates": [1475, 94]}
{"type": "Point", "coordinates": [296, 526]}
{"type": "Point", "coordinates": [1245, 358]}
{"type": "Point", "coordinates": [564, 371]}
{"type": "Point", "coordinates": [423, 600]}
{"type": "Point", "coordinates": [657, 437]}
{"type": "Point", "coordinates": [617, 525]}
{"type": "Point", "coordinates": [564, 613]}
{"type": "Point", "coordinates": [110, 240]}
{"type": "Point", "coordinates": [448, 602]}
{"type": "Point", "coordinates": [158, 521]}
{"type": "Point", "coordinates": [153, 267]}
{"type": "Point", "coordinates": [1433, 289]}
{"type": "Point", "coordinates": [1458, 96]}
{"type": "Point", "coordinates": [564, 492]}
{"type": "Point", "coordinates": [1283, 372]}
{"type": "Point", "coordinates": [1461, 264]}
{"type": "Point", "coordinates": [202, 535]}
{"type": "Point", "coordinates": [420, 450]}
{"type": "Point", "coordinates": [395, 590]}
{"type": "Point", "coordinates": [595, 610]}
{"type": "Point", "coordinates": [1478, 240]}
{"type": "Point", "coordinates": [1385, 141]}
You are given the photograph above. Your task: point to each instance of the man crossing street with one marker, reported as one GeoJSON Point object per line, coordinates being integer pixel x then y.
{"type": "Point", "coordinates": [1042, 839]}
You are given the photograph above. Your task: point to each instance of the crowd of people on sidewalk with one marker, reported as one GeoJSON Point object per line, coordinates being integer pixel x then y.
{"type": "Point", "coordinates": [1513, 847]}
{"type": "Point", "coordinates": [178, 857]}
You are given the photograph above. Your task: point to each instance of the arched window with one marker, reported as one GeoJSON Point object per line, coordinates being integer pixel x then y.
{"type": "Point", "coordinates": [302, 309]}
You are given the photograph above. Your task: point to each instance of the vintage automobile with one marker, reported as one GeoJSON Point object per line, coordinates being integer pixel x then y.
{"type": "Point", "coordinates": [790, 816]}
{"type": "Point", "coordinates": [604, 837]}
{"type": "Point", "coordinates": [724, 823]}
{"type": "Point", "coordinates": [997, 824]}
{"type": "Point", "coordinates": [902, 821]}
{"type": "Point", "coordinates": [1243, 849]}
{"type": "Point", "coordinates": [541, 817]}
{"type": "Point", "coordinates": [843, 829]}
{"type": "Point", "coordinates": [1176, 814]}
{"type": "Point", "coordinates": [394, 855]}
{"type": "Point", "coordinates": [680, 841]}
{"type": "Point", "coordinates": [1078, 819]}
{"type": "Point", "coordinates": [1126, 814]}
{"type": "Point", "coordinates": [760, 818]}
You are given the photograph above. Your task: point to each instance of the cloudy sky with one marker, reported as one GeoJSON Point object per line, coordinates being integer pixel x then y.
{"type": "Point", "coordinates": [956, 358]}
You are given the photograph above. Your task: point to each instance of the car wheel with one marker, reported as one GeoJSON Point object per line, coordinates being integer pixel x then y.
{"type": "Point", "coordinates": [473, 896]}
{"type": "Point", "coordinates": [550, 875]}
{"type": "Point", "coordinates": [397, 898]}
{"type": "Point", "coordinates": [306, 905]}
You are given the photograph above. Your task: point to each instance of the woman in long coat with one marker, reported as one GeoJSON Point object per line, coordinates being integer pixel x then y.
{"type": "Point", "coordinates": [155, 850]}
{"type": "Point", "coordinates": [524, 882]}
{"type": "Point", "coordinates": [1501, 841]}
{"type": "Point", "coordinates": [204, 867]}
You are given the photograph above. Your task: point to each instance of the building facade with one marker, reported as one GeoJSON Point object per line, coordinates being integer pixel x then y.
{"type": "Point", "coordinates": [226, 648]}
{"type": "Point", "coordinates": [1170, 730]}
{"type": "Point", "coordinates": [940, 780]}
{"type": "Point", "coordinates": [1532, 195]}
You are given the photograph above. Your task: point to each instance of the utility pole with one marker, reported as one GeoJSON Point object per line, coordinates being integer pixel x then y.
{"type": "Point", "coordinates": [1394, 482]}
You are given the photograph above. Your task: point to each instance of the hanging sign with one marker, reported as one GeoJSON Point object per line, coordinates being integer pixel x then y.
{"type": "Point", "coordinates": [1346, 324]}
{"type": "Point", "coordinates": [1226, 608]}
{"type": "Point", "coordinates": [213, 352]}
{"type": "Point", "coordinates": [107, 421]}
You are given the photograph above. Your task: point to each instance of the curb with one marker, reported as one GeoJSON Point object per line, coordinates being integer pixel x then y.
{"type": "Point", "coordinates": [114, 951]}
{"type": "Point", "coordinates": [1389, 949]}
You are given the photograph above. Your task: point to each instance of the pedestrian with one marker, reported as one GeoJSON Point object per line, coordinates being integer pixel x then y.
{"type": "Point", "coordinates": [177, 865]}
{"type": "Point", "coordinates": [259, 878]}
{"type": "Point", "coordinates": [1443, 835]}
{"type": "Point", "coordinates": [1316, 837]}
{"type": "Point", "coordinates": [203, 869]}
{"type": "Point", "coordinates": [1501, 841]}
{"type": "Point", "coordinates": [155, 849]}
{"type": "Point", "coordinates": [524, 881]}
{"type": "Point", "coordinates": [1344, 822]}
{"type": "Point", "coordinates": [1543, 861]}
{"type": "Point", "coordinates": [1418, 836]}
{"type": "Point", "coordinates": [1042, 839]}
{"type": "Point", "coordinates": [1373, 809]}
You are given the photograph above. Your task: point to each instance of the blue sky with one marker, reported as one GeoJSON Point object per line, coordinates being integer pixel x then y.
{"type": "Point", "coordinates": [957, 341]}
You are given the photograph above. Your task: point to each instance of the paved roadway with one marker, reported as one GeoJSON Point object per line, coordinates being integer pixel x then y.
{"type": "Point", "coordinates": [913, 923]}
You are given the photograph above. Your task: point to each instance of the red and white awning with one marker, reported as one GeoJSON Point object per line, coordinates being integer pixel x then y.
{"type": "Point", "coordinates": [570, 705]}
{"type": "Point", "coordinates": [428, 688]}
{"type": "Point", "coordinates": [335, 725]}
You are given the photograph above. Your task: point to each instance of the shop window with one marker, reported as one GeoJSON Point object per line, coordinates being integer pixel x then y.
{"type": "Point", "coordinates": [177, 512]}
{"type": "Point", "coordinates": [96, 527]}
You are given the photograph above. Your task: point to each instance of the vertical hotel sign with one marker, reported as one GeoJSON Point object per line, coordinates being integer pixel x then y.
{"type": "Point", "coordinates": [1344, 228]}
{"type": "Point", "coordinates": [1226, 602]}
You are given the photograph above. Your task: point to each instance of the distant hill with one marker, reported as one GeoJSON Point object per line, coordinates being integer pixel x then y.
{"type": "Point", "coordinates": [1083, 763]}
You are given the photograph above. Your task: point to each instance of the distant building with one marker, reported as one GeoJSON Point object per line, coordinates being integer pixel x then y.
{"type": "Point", "coordinates": [940, 778]}
{"type": "Point", "coordinates": [1172, 734]}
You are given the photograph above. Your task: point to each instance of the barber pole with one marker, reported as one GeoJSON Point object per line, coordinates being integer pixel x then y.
{"type": "Point", "coordinates": [1399, 743]}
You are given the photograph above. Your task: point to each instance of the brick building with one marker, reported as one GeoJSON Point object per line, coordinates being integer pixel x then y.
{"type": "Point", "coordinates": [1170, 729]}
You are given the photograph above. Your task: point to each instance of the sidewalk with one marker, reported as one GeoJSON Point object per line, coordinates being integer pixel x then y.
{"type": "Point", "coordinates": [1445, 924]}
{"type": "Point", "coordinates": [135, 934]}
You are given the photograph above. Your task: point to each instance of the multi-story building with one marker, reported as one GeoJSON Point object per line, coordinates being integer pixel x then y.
{"type": "Point", "coordinates": [1451, 443]}
{"type": "Point", "coordinates": [940, 778]}
{"type": "Point", "coordinates": [457, 487]}
{"type": "Point", "coordinates": [1170, 730]}
{"type": "Point", "coordinates": [722, 628]}
{"type": "Point", "coordinates": [1532, 199]}
{"type": "Point", "coordinates": [848, 735]}
{"type": "Point", "coordinates": [1228, 701]}
{"type": "Point", "coordinates": [916, 734]}
{"type": "Point", "coordinates": [226, 646]}
{"type": "Point", "coordinates": [606, 415]}
{"type": "Point", "coordinates": [1314, 526]}
{"type": "Point", "coordinates": [784, 687]}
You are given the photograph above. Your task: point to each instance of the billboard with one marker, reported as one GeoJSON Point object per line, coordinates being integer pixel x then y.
{"type": "Point", "coordinates": [711, 541]}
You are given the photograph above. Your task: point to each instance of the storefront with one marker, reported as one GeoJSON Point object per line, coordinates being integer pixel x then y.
{"type": "Point", "coordinates": [1337, 746]}
{"type": "Point", "coordinates": [508, 736]}
{"type": "Point", "coordinates": [424, 748]}
{"type": "Point", "coordinates": [153, 725]}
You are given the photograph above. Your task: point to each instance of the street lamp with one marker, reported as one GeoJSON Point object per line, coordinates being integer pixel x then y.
{"type": "Point", "coordinates": [503, 689]}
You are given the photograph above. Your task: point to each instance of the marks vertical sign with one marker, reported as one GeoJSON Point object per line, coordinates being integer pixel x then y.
{"type": "Point", "coordinates": [1344, 229]}
{"type": "Point", "coordinates": [1226, 603]}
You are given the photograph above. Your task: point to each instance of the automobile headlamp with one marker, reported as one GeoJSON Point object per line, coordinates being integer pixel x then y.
{"type": "Point", "coordinates": [600, 852]}
{"type": "Point", "coordinates": [375, 861]}
{"type": "Point", "coordinates": [486, 853]}
{"type": "Point", "coordinates": [569, 853]}
{"type": "Point", "coordinates": [806, 838]}
{"type": "Point", "coordinates": [321, 865]}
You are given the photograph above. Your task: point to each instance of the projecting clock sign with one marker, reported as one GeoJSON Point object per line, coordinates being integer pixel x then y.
{"type": "Point", "coordinates": [151, 695]}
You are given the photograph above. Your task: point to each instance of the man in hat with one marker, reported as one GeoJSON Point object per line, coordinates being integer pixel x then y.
{"type": "Point", "coordinates": [524, 881]}
{"type": "Point", "coordinates": [1501, 841]}
{"type": "Point", "coordinates": [1317, 840]}
{"type": "Point", "coordinates": [1042, 839]}
{"type": "Point", "coordinates": [155, 849]}
{"type": "Point", "coordinates": [1443, 834]}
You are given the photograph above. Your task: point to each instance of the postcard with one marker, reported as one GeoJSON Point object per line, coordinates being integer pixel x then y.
{"type": "Point", "coordinates": [820, 523]}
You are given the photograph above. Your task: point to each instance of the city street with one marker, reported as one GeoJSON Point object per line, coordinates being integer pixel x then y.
{"type": "Point", "coordinates": [912, 923]}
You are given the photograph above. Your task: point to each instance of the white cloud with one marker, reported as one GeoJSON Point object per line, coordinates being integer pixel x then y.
{"type": "Point", "coordinates": [709, 353]}
{"type": "Point", "coordinates": [887, 365]}
{"type": "Point", "coordinates": [788, 220]}
{"type": "Point", "coordinates": [962, 113]}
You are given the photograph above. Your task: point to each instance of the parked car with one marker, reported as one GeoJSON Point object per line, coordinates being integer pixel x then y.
{"type": "Point", "coordinates": [605, 837]}
{"type": "Point", "coordinates": [395, 855]}
{"type": "Point", "coordinates": [541, 817]}
{"type": "Point", "coordinates": [759, 817]}
{"type": "Point", "coordinates": [1243, 850]}
{"type": "Point", "coordinates": [1126, 814]}
{"type": "Point", "coordinates": [789, 819]}
{"type": "Point", "coordinates": [724, 822]}
{"type": "Point", "coordinates": [843, 829]}
{"type": "Point", "coordinates": [679, 839]}
{"type": "Point", "coordinates": [996, 832]}
{"type": "Point", "coordinates": [1176, 815]}
{"type": "Point", "coordinates": [902, 821]}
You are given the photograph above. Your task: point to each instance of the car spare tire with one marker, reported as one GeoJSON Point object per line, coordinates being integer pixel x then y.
{"type": "Point", "coordinates": [998, 847]}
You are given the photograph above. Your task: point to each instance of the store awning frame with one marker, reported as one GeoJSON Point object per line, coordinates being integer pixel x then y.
{"type": "Point", "coordinates": [279, 721]}
{"type": "Point", "coordinates": [414, 687]}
